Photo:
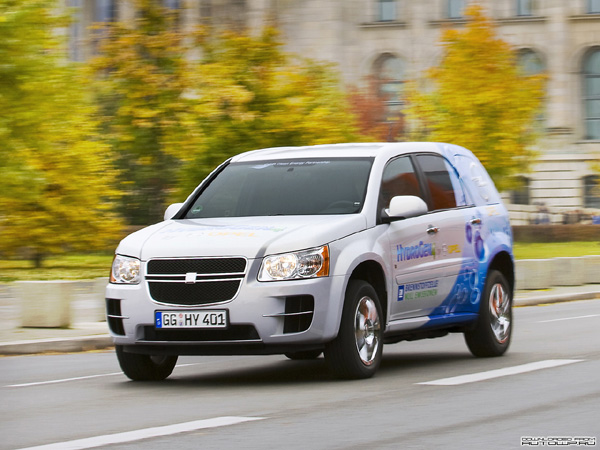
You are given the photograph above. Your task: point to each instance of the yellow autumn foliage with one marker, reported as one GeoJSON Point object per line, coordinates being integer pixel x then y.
{"type": "Point", "coordinates": [480, 100]}
{"type": "Point", "coordinates": [176, 105]}
{"type": "Point", "coordinates": [57, 176]}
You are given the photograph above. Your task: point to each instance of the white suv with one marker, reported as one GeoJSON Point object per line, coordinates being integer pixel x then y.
{"type": "Point", "coordinates": [303, 250]}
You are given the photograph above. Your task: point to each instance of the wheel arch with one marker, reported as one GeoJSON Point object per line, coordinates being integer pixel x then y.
{"type": "Point", "coordinates": [372, 272]}
{"type": "Point", "coordinates": [504, 263]}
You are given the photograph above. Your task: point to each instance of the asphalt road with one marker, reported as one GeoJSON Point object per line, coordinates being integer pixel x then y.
{"type": "Point", "coordinates": [427, 394]}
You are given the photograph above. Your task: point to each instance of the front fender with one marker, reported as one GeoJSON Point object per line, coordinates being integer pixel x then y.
{"type": "Point", "coordinates": [349, 253]}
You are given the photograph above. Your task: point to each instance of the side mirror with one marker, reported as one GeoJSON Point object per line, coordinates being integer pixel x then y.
{"type": "Point", "coordinates": [404, 207]}
{"type": "Point", "coordinates": [172, 210]}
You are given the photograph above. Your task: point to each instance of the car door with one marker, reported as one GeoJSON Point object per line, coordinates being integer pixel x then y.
{"type": "Point", "coordinates": [433, 266]}
{"type": "Point", "coordinates": [413, 244]}
{"type": "Point", "coordinates": [453, 217]}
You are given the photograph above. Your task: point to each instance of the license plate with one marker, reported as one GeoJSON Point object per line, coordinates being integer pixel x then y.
{"type": "Point", "coordinates": [216, 318]}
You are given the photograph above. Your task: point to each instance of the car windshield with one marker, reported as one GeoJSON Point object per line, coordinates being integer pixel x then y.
{"type": "Point", "coordinates": [284, 188]}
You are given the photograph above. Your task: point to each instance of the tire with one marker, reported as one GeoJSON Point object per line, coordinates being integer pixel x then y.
{"type": "Point", "coordinates": [145, 367]}
{"type": "Point", "coordinates": [492, 333]}
{"type": "Point", "coordinates": [304, 355]}
{"type": "Point", "coordinates": [356, 352]}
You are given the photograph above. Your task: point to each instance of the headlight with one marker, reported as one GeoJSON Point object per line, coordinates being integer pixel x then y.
{"type": "Point", "coordinates": [297, 265]}
{"type": "Point", "coordinates": [125, 270]}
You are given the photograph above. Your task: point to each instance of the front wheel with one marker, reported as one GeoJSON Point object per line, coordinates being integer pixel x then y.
{"type": "Point", "coordinates": [145, 367]}
{"type": "Point", "coordinates": [493, 330]}
{"type": "Point", "coordinates": [356, 352]}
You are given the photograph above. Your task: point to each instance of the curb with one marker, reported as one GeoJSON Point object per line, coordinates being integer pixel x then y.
{"type": "Point", "coordinates": [59, 345]}
{"type": "Point", "coordinates": [545, 299]}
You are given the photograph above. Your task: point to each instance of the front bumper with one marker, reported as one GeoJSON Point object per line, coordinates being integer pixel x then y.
{"type": "Point", "coordinates": [264, 318]}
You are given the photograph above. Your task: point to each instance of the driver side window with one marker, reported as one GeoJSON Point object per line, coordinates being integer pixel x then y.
{"type": "Point", "coordinates": [399, 178]}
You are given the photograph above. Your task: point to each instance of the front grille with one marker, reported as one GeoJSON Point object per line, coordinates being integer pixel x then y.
{"type": "Point", "coordinates": [193, 294]}
{"type": "Point", "coordinates": [204, 266]}
{"type": "Point", "coordinates": [192, 282]}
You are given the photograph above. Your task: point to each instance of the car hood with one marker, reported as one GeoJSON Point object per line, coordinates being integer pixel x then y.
{"type": "Point", "coordinates": [250, 237]}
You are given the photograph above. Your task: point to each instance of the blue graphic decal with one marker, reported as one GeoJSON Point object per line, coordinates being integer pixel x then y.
{"type": "Point", "coordinates": [465, 296]}
{"type": "Point", "coordinates": [469, 232]}
{"type": "Point", "coordinates": [400, 292]}
{"type": "Point", "coordinates": [421, 250]}
{"type": "Point", "coordinates": [479, 246]}
{"type": "Point", "coordinates": [423, 289]}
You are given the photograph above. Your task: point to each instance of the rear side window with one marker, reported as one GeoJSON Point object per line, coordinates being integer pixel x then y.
{"type": "Point", "coordinates": [443, 182]}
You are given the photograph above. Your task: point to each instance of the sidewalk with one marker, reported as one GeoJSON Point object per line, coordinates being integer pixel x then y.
{"type": "Point", "coordinates": [88, 331]}
{"type": "Point", "coordinates": [86, 335]}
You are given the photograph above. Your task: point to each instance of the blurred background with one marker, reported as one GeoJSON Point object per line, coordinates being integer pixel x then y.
{"type": "Point", "coordinates": [112, 109]}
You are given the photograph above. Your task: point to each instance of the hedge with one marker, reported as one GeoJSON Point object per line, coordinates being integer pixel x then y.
{"type": "Point", "coordinates": [556, 233]}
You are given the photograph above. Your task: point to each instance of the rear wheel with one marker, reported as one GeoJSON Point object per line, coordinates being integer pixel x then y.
{"type": "Point", "coordinates": [356, 352]}
{"type": "Point", "coordinates": [145, 367]}
{"type": "Point", "coordinates": [492, 333]}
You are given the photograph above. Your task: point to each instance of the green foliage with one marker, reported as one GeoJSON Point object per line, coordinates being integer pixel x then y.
{"type": "Point", "coordinates": [143, 77]}
{"type": "Point", "coordinates": [480, 100]}
{"type": "Point", "coordinates": [252, 95]}
{"type": "Point", "coordinates": [175, 106]}
{"type": "Point", "coordinates": [57, 176]}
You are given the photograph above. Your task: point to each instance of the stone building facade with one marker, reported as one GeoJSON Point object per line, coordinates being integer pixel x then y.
{"type": "Point", "coordinates": [397, 40]}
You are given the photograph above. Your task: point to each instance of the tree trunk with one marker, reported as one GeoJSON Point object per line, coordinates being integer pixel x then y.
{"type": "Point", "coordinates": [38, 259]}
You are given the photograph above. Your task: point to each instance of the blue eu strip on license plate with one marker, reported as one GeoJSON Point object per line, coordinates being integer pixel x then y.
{"type": "Point", "coordinates": [191, 319]}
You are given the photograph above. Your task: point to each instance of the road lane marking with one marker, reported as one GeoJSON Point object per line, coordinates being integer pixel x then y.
{"type": "Point", "coordinates": [86, 377]}
{"type": "Point", "coordinates": [64, 380]}
{"type": "Point", "coordinates": [145, 433]}
{"type": "Point", "coordinates": [569, 318]}
{"type": "Point", "coordinates": [481, 376]}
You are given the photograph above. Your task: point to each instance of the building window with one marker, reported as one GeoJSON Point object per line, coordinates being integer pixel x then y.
{"type": "Point", "coordinates": [455, 9]}
{"type": "Point", "coordinates": [521, 195]}
{"type": "Point", "coordinates": [524, 8]}
{"type": "Point", "coordinates": [105, 11]}
{"type": "Point", "coordinates": [76, 32]}
{"type": "Point", "coordinates": [100, 12]}
{"type": "Point", "coordinates": [205, 10]}
{"type": "Point", "coordinates": [530, 62]}
{"type": "Point", "coordinates": [591, 94]}
{"type": "Point", "coordinates": [390, 73]}
{"type": "Point", "coordinates": [593, 6]}
{"type": "Point", "coordinates": [172, 4]}
{"type": "Point", "coordinates": [591, 191]}
{"type": "Point", "coordinates": [386, 10]}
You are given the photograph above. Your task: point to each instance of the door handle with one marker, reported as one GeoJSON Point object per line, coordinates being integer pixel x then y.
{"type": "Point", "coordinates": [475, 221]}
{"type": "Point", "coordinates": [432, 230]}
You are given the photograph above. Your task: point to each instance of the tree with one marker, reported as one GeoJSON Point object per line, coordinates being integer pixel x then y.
{"type": "Point", "coordinates": [480, 100]}
{"type": "Point", "coordinates": [57, 178]}
{"type": "Point", "coordinates": [175, 105]}
{"type": "Point", "coordinates": [143, 88]}
{"type": "Point", "coordinates": [253, 95]}
{"type": "Point", "coordinates": [370, 108]}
